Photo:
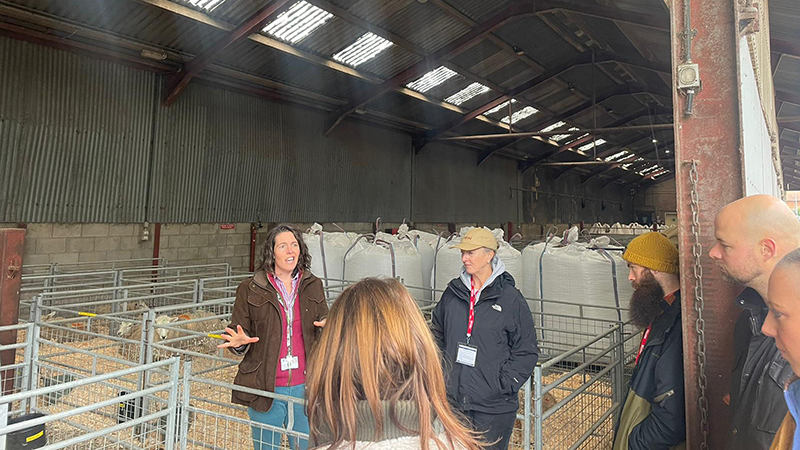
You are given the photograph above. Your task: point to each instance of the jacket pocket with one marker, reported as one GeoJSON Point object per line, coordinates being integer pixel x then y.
{"type": "Point", "coordinates": [258, 307]}
{"type": "Point", "coordinates": [248, 376]}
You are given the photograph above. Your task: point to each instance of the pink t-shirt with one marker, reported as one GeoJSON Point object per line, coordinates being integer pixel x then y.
{"type": "Point", "coordinates": [292, 377]}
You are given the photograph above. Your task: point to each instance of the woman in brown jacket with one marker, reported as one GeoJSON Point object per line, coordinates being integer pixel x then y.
{"type": "Point", "coordinates": [275, 324]}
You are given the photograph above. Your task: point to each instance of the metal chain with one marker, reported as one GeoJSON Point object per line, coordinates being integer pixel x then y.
{"type": "Point", "coordinates": [699, 305]}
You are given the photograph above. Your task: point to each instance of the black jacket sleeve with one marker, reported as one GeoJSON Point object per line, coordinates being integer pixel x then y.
{"type": "Point", "coordinates": [437, 323]}
{"type": "Point", "coordinates": [665, 426]}
{"type": "Point", "coordinates": [524, 348]}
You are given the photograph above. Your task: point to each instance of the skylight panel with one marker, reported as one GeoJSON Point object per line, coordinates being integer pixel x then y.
{"type": "Point", "coordinates": [576, 138]}
{"type": "Point", "coordinates": [660, 175]}
{"type": "Point", "coordinates": [561, 137]}
{"type": "Point", "coordinates": [552, 127]}
{"type": "Point", "coordinates": [368, 46]}
{"type": "Point", "coordinates": [297, 22]}
{"type": "Point", "coordinates": [616, 156]}
{"type": "Point", "coordinates": [589, 146]}
{"type": "Point", "coordinates": [502, 106]}
{"type": "Point", "coordinates": [473, 90]}
{"type": "Point", "coordinates": [432, 79]}
{"type": "Point", "coordinates": [207, 5]}
{"type": "Point", "coordinates": [521, 114]}
{"type": "Point", "coordinates": [649, 170]}
{"type": "Point", "coordinates": [628, 165]}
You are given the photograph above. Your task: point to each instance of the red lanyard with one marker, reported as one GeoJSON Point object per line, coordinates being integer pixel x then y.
{"type": "Point", "coordinates": [644, 341]}
{"type": "Point", "coordinates": [472, 295]}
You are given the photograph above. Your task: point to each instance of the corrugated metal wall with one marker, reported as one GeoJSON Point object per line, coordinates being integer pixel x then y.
{"type": "Point", "coordinates": [557, 209]}
{"type": "Point", "coordinates": [451, 187]}
{"type": "Point", "coordinates": [223, 156]}
{"type": "Point", "coordinates": [74, 137]}
{"type": "Point", "coordinates": [78, 136]}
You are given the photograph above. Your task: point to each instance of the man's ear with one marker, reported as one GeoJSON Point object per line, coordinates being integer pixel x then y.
{"type": "Point", "coordinates": [769, 248]}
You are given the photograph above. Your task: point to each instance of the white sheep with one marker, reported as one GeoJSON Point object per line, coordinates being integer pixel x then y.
{"type": "Point", "coordinates": [199, 344]}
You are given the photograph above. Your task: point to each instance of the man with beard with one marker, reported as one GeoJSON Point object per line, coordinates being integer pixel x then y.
{"type": "Point", "coordinates": [653, 417]}
{"type": "Point", "coordinates": [753, 234]}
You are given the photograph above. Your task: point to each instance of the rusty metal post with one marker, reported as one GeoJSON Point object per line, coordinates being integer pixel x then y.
{"type": "Point", "coordinates": [711, 137]}
{"type": "Point", "coordinates": [12, 244]}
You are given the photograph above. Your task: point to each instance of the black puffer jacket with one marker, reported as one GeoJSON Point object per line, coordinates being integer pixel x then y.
{"type": "Point", "coordinates": [506, 340]}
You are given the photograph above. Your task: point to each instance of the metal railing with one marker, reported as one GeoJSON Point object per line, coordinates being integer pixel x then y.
{"type": "Point", "coordinates": [576, 390]}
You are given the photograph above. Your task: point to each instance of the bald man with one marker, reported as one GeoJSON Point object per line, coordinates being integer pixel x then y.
{"type": "Point", "coordinates": [753, 234]}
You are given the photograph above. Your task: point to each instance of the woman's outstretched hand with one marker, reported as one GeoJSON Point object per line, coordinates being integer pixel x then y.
{"type": "Point", "coordinates": [236, 338]}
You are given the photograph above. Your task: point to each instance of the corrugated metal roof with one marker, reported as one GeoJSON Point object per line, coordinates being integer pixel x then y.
{"type": "Point", "coordinates": [135, 20]}
{"type": "Point", "coordinates": [480, 10]}
{"type": "Point", "coordinates": [423, 24]}
{"type": "Point", "coordinates": [538, 40]}
{"type": "Point", "coordinates": [70, 135]}
{"type": "Point", "coordinates": [275, 65]}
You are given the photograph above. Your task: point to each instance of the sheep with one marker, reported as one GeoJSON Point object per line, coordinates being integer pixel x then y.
{"type": "Point", "coordinates": [200, 344]}
{"type": "Point", "coordinates": [196, 343]}
{"type": "Point", "coordinates": [133, 331]}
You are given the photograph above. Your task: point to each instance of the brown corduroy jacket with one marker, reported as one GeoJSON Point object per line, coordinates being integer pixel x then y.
{"type": "Point", "coordinates": [257, 310]}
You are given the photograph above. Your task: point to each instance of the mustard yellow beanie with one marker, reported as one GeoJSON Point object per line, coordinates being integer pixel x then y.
{"type": "Point", "coordinates": [654, 251]}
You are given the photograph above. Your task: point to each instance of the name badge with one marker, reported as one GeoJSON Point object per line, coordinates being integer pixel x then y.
{"type": "Point", "coordinates": [290, 363]}
{"type": "Point", "coordinates": [467, 354]}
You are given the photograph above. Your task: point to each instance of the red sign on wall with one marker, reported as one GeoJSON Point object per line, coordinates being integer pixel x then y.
{"type": "Point", "coordinates": [227, 226]}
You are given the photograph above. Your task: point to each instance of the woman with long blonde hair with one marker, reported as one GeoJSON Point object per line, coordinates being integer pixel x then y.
{"type": "Point", "coordinates": [376, 378]}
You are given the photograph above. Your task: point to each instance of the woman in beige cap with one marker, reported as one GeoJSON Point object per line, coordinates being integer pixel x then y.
{"type": "Point", "coordinates": [484, 328]}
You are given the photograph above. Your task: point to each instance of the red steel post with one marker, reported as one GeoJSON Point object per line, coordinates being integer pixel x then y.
{"type": "Point", "coordinates": [12, 244]}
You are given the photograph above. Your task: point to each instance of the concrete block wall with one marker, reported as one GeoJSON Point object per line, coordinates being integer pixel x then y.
{"type": "Point", "coordinates": [206, 243]}
{"type": "Point", "coordinates": [180, 244]}
{"type": "Point", "coordinates": [47, 243]}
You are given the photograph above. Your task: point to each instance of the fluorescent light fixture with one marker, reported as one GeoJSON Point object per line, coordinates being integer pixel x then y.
{"type": "Point", "coordinates": [660, 175]}
{"type": "Point", "coordinates": [467, 93]}
{"type": "Point", "coordinates": [207, 5]}
{"type": "Point", "coordinates": [432, 79]}
{"type": "Point", "coordinates": [368, 46]}
{"type": "Point", "coordinates": [589, 146]}
{"type": "Point", "coordinates": [297, 22]}
{"type": "Point", "coordinates": [521, 114]}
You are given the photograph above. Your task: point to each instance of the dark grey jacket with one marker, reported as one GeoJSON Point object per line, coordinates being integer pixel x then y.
{"type": "Point", "coordinates": [757, 381]}
{"type": "Point", "coordinates": [506, 340]}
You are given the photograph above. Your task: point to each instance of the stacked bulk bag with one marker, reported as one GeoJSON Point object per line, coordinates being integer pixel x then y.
{"type": "Point", "coordinates": [333, 246]}
{"type": "Point", "coordinates": [386, 256]}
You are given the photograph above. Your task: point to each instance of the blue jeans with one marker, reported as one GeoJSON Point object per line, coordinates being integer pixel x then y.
{"type": "Point", "coordinates": [278, 416]}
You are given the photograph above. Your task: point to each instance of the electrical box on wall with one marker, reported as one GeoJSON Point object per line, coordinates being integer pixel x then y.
{"type": "Point", "coordinates": [670, 219]}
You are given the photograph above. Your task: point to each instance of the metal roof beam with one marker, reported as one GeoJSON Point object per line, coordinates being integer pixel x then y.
{"type": "Point", "coordinates": [177, 83]}
{"type": "Point", "coordinates": [592, 9]}
{"type": "Point", "coordinates": [434, 59]}
{"type": "Point", "coordinates": [618, 123]}
{"type": "Point", "coordinates": [582, 60]}
{"type": "Point", "coordinates": [622, 90]}
{"type": "Point", "coordinates": [619, 163]}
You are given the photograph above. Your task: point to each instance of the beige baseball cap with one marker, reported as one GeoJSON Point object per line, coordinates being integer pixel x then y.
{"type": "Point", "coordinates": [477, 238]}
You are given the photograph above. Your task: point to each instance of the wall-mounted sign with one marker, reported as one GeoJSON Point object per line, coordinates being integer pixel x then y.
{"type": "Point", "coordinates": [227, 226]}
